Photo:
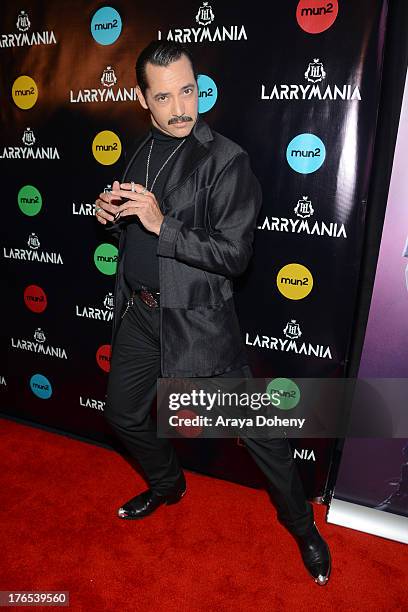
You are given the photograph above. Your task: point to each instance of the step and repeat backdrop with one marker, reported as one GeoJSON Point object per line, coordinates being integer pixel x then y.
{"type": "Point", "coordinates": [295, 83]}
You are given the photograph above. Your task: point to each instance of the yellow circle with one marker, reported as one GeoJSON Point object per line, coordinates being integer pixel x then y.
{"type": "Point", "coordinates": [294, 281]}
{"type": "Point", "coordinates": [24, 92]}
{"type": "Point", "coordinates": [106, 147]}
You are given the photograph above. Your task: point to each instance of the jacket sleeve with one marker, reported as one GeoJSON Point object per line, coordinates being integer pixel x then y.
{"type": "Point", "coordinates": [234, 202]}
{"type": "Point", "coordinates": [113, 229]}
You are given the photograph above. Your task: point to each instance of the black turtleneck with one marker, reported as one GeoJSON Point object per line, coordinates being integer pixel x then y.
{"type": "Point", "coordinates": [141, 266]}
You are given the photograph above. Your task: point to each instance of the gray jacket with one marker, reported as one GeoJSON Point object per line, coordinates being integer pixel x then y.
{"type": "Point", "coordinates": [210, 206]}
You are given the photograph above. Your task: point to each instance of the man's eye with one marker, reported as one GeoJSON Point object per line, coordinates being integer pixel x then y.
{"type": "Point", "coordinates": [161, 98]}
{"type": "Point", "coordinates": [188, 91]}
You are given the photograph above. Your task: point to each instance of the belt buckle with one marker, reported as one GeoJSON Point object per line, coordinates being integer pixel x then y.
{"type": "Point", "coordinates": [148, 298]}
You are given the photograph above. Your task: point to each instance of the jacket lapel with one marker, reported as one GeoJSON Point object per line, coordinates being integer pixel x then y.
{"type": "Point", "coordinates": [191, 156]}
{"type": "Point", "coordinates": [186, 163]}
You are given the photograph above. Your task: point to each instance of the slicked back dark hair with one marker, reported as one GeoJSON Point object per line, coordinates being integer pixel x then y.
{"type": "Point", "coordinates": [159, 53]}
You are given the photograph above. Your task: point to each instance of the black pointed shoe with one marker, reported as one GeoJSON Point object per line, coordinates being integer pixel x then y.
{"type": "Point", "coordinates": [147, 502]}
{"type": "Point", "coordinates": [315, 554]}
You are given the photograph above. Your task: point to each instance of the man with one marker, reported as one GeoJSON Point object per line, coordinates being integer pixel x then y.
{"type": "Point", "coordinates": [185, 214]}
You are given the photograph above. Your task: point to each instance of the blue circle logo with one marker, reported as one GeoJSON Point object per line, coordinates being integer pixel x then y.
{"type": "Point", "coordinates": [106, 25]}
{"type": "Point", "coordinates": [306, 153]}
{"type": "Point", "coordinates": [207, 93]}
{"type": "Point", "coordinates": [40, 386]}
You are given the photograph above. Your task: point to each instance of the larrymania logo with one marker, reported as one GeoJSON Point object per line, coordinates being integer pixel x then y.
{"type": "Point", "coordinates": [108, 92]}
{"type": "Point", "coordinates": [304, 223]}
{"type": "Point", "coordinates": [205, 32]}
{"type": "Point", "coordinates": [96, 312]}
{"type": "Point", "coordinates": [29, 150]}
{"type": "Point", "coordinates": [87, 209]}
{"type": "Point", "coordinates": [90, 402]}
{"type": "Point", "coordinates": [39, 345]}
{"type": "Point", "coordinates": [307, 454]}
{"type": "Point", "coordinates": [24, 37]}
{"type": "Point", "coordinates": [315, 88]}
{"type": "Point", "coordinates": [290, 343]}
{"type": "Point", "coordinates": [33, 253]}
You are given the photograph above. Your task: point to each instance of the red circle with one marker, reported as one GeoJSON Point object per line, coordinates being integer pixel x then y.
{"type": "Point", "coordinates": [103, 356]}
{"type": "Point", "coordinates": [315, 16]}
{"type": "Point", "coordinates": [188, 431]}
{"type": "Point", "coordinates": [35, 298]}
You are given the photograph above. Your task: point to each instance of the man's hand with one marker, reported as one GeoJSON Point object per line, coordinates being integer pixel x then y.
{"type": "Point", "coordinates": [141, 203]}
{"type": "Point", "coordinates": [105, 207]}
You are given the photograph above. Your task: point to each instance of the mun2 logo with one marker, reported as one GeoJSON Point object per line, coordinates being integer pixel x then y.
{"type": "Point", "coordinates": [294, 281]}
{"type": "Point", "coordinates": [41, 386]}
{"type": "Point", "coordinates": [35, 298]}
{"type": "Point", "coordinates": [106, 147]}
{"type": "Point", "coordinates": [105, 258]}
{"type": "Point", "coordinates": [315, 16]}
{"type": "Point", "coordinates": [106, 25]}
{"type": "Point", "coordinates": [24, 92]}
{"type": "Point", "coordinates": [207, 93]}
{"type": "Point", "coordinates": [305, 153]}
{"type": "Point", "coordinates": [103, 357]}
{"type": "Point", "coordinates": [29, 200]}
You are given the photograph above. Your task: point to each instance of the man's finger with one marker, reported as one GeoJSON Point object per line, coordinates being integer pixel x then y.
{"type": "Point", "coordinates": [131, 204]}
{"type": "Point", "coordinates": [102, 214]}
{"type": "Point", "coordinates": [130, 211]}
{"type": "Point", "coordinates": [108, 196]}
{"type": "Point", "coordinates": [137, 188]}
{"type": "Point", "coordinates": [105, 197]}
{"type": "Point", "coordinates": [100, 218]}
{"type": "Point", "coordinates": [112, 208]}
{"type": "Point", "coordinates": [129, 195]}
{"type": "Point", "coordinates": [101, 211]}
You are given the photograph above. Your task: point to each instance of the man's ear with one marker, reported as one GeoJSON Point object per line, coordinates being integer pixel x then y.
{"type": "Point", "coordinates": [141, 97]}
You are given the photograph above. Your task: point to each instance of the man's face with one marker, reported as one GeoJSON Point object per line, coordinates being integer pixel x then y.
{"type": "Point", "coordinates": [171, 97]}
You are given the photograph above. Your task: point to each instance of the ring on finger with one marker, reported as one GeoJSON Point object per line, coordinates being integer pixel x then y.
{"type": "Point", "coordinates": [144, 190]}
{"type": "Point", "coordinates": [132, 186]}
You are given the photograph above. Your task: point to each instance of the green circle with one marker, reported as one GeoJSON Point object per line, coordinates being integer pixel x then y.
{"type": "Point", "coordinates": [29, 200]}
{"type": "Point", "coordinates": [105, 258]}
{"type": "Point", "coordinates": [288, 391]}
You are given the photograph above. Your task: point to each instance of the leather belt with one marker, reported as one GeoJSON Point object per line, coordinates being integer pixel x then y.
{"type": "Point", "coordinates": [151, 298]}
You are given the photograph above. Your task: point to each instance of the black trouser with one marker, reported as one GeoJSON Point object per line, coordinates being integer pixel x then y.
{"type": "Point", "coordinates": [135, 367]}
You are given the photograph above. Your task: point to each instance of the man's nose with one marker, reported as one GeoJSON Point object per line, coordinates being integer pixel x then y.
{"type": "Point", "coordinates": [178, 107]}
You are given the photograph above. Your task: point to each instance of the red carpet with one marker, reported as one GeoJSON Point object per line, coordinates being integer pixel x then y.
{"type": "Point", "coordinates": [219, 549]}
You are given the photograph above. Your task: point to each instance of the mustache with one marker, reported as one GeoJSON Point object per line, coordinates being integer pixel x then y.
{"type": "Point", "coordinates": [180, 119]}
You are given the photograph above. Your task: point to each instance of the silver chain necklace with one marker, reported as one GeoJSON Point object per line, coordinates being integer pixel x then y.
{"type": "Point", "coordinates": [160, 169]}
